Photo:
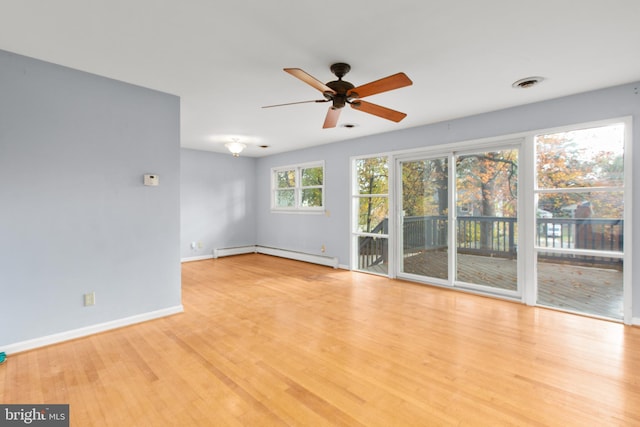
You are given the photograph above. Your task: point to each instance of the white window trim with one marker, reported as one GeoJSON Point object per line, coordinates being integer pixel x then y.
{"type": "Point", "coordinates": [627, 191]}
{"type": "Point", "coordinates": [298, 209]}
{"type": "Point", "coordinates": [355, 198]}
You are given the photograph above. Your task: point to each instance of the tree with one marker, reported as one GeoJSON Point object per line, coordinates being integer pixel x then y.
{"type": "Point", "coordinates": [372, 180]}
{"type": "Point", "coordinates": [566, 160]}
{"type": "Point", "coordinates": [425, 189]}
{"type": "Point", "coordinates": [311, 181]}
{"type": "Point", "coordinates": [487, 182]}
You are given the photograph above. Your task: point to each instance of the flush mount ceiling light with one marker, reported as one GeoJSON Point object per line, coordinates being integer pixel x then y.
{"type": "Point", "coordinates": [527, 82]}
{"type": "Point", "coordinates": [235, 147]}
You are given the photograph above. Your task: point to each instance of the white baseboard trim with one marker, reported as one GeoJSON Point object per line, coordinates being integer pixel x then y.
{"type": "Point", "coordinates": [196, 258]}
{"type": "Point", "coordinates": [635, 321]}
{"type": "Point", "coordinates": [299, 256]}
{"type": "Point", "coordinates": [90, 330]}
{"type": "Point", "coordinates": [217, 253]}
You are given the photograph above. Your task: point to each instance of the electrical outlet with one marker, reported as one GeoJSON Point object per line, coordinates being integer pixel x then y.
{"type": "Point", "coordinates": [193, 245]}
{"type": "Point", "coordinates": [199, 245]}
{"type": "Point", "coordinates": [322, 249]}
{"type": "Point", "coordinates": [89, 299]}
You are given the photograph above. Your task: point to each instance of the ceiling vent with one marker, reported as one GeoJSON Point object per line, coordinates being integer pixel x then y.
{"type": "Point", "coordinates": [349, 125]}
{"type": "Point", "coordinates": [527, 82]}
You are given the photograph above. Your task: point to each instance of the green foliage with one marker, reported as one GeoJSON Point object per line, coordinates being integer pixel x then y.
{"type": "Point", "coordinates": [309, 188]}
{"type": "Point", "coordinates": [311, 197]}
{"type": "Point", "coordinates": [372, 179]}
{"type": "Point", "coordinates": [425, 187]}
{"type": "Point", "coordinates": [585, 158]}
{"type": "Point", "coordinates": [286, 179]}
{"type": "Point", "coordinates": [312, 176]}
{"type": "Point", "coordinates": [487, 183]}
{"type": "Point", "coordinates": [285, 198]}
{"type": "Point", "coordinates": [373, 175]}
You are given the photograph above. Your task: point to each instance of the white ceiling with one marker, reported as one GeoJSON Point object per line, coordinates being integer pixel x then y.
{"type": "Point", "coordinates": [224, 58]}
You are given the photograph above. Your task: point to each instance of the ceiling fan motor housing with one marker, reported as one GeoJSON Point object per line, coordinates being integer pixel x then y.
{"type": "Point", "coordinates": [339, 98]}
{"type": "Point", "coordinates": [340, 87]}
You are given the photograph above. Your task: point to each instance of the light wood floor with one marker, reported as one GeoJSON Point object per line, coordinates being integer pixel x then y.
{"type": "Point", "coordinates": [266, 341]}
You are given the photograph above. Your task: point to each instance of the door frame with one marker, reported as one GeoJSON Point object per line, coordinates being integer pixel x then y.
{"type": "Point", "coordinates": [450, 151]}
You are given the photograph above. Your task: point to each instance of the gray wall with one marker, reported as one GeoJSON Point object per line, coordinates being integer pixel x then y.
{"type": "Point", "coordinates": [74, 215]}
{"type": "Point", "coordinates": [217, 202]}
{"type": "Point", "coordinates": [308, 232]}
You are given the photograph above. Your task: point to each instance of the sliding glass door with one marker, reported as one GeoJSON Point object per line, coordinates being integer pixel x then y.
{"type": "Point", "coordinates": [487, 219]}
{"type": "Point", "coordinates": [485, 236]}
{"type": "Point", "coordinates": [424, 218]}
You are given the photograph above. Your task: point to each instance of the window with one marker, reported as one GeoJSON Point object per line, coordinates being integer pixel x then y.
{"type": "Point", "coordinates": [298, 188]}
{"type": "Point", "coordinates": [370, 229]}
{"type": "Point", "coordinates": [538, 216]}
{"type": "Point", "coordinates": [580, 186]}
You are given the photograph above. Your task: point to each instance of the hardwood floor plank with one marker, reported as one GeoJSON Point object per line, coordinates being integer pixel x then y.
{"type": "Point", "coordinates": [266, 341]}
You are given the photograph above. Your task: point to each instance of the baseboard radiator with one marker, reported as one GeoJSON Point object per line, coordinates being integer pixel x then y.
{"type": "Point", "coordinates": [282, 253]}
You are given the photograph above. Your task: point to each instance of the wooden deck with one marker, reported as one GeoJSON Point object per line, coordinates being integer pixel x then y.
{"type": "Point", "coordinates": [589, 290]}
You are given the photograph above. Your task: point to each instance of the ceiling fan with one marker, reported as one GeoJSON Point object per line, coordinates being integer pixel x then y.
{"type": "Point", "coordinates": [340, 93]}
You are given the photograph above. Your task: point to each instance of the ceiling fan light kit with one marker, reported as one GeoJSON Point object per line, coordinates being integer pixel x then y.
{"type": "Point", "coordinates": [235, 147]}
{"type": "Point", "coordinates": [341, 92]}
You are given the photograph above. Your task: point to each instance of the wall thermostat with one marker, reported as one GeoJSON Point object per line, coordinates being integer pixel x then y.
{"type": "Point", "coordinates": [151, 179]}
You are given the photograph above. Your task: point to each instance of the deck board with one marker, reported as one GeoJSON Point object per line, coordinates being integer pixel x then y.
{"type": "Point", "coordinates": [590, 290]}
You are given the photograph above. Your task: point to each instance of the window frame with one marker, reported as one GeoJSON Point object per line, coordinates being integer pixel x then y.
{"type": "Point", "coordinates": [297, 188]}
{"type": "Point", "coordinates": [356, 196]}
{"type": "Point", "coordinates": [527, 201]}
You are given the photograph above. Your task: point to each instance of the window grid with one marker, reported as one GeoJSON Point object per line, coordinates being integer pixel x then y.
{"type": "Point", "coordinates": [298, 188]}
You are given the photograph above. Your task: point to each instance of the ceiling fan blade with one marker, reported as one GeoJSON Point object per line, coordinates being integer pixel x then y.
{"type": "Point", "coordinates": [309, 79]}
{"type": "Point", "coordinates": [377, 110]}
{"type": "Point", "coordinates": [331, 119]}
{"type": "Point", "coordinates": [292, 103]}
{"type": "Point", "coordinates": [395, 81]}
